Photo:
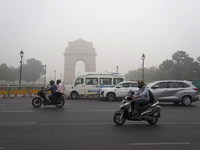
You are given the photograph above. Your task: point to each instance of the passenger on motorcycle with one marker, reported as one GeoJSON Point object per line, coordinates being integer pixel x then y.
{"type": "Point", "coordinates": [52, 89]}
{"type": "Point", "coordinates": [59, 90]}
{"type": "Point", "coordinates": [140, 98]}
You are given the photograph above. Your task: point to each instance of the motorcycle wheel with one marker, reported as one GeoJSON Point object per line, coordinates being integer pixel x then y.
{"type": "Point", "coordinates": [119, 119]}
{"type": "Point", "coordinates": [36, 102]}
{"type": "Point", "coordinates": [61, 104]}
{"type": "Point", "coordinates": [153, 121]}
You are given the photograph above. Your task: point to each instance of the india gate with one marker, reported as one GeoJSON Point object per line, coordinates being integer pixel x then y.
{"type": "Point", "coordinates": [79, 50]}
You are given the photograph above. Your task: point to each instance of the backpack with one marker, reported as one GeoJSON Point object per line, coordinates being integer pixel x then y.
{"type": "Point", "coordinates": [151, 96]}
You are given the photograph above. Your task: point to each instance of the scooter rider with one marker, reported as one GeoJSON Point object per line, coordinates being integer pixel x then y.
{"type": "Point", "coordinates": [140, 98]}
{"type": "Point", "coordinates": [52, 88]}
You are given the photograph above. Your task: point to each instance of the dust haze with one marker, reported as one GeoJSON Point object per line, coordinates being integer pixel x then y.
{"type": "Point", "coordinates": [121, 31]}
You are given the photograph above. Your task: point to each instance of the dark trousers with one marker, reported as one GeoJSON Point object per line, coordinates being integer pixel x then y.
{"type": "Point", "coordinates": [57, 94]}
{"type": "Point", "coordinates": [136, 103]}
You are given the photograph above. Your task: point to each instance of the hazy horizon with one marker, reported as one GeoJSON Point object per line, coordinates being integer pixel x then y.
{"type": "Point", "coordinates": [121, 31]}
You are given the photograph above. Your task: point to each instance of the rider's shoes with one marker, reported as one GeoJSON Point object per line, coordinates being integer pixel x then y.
{"type": "Point", "coordinates": [49, 101]}
{"type": "Point", "coordinates": [136, 115]}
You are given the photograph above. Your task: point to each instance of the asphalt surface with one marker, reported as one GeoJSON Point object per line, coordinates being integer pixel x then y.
{"type": "Point", "coordinates": [87, 124]}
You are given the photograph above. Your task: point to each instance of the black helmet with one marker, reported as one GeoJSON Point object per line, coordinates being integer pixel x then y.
{"type": "Point", "coordinates": [58, 81]}
{"type": "Point", "coordinates": [51, 82]}
{"type": "Point", "coordinates": [141, 82]}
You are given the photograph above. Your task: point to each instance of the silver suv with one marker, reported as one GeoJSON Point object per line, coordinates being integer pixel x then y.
{"type": "Point", "coordinates": [174, 91]}
{"type": "Point", "coordinates": [120, 90]}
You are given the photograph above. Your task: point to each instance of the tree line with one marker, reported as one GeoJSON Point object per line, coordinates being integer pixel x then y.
{"type": "Point", "coordinates": [180, 67]}
{"type": "Point", "coordinates": [31, 71]}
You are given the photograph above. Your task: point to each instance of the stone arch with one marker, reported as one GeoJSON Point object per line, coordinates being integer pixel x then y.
{"type": "Point", "coordinates": [78, 50]}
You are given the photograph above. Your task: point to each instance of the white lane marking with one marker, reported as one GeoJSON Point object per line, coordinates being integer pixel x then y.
{"type": "Point", "coordinates": [180, 143]}
{"type": "Point", "coordinates": [90, 110]}
{"type": "Point", "coordinates": [18, 122]}
{"type": "Point", "coordinates": [16, 111]}
{"type": "Point", "coordinates": [1, 147]}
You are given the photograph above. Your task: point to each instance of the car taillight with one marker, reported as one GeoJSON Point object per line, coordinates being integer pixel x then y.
{"type": "Point", "coordinates": [195, 88]}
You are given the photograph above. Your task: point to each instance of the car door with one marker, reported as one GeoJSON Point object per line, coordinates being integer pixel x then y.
{"type": "Point", "coordinates": [122, 90]}
{"type": "Point", "coordinates": [159, 91]}
{"type": "Point", "coordinates": [173, 91]}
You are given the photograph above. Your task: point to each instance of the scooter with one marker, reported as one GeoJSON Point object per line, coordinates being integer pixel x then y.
{"type": "Point", "coordinates": [57, 101]}
{"type": "Point", "coordinates": [149, 113]}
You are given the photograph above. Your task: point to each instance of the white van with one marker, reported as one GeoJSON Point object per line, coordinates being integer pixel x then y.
{"type": "Point", "coordinates": [89, 83]}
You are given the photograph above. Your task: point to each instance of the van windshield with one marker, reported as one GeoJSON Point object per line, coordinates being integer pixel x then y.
{"type": "Point", "coordinates": [79, 81]}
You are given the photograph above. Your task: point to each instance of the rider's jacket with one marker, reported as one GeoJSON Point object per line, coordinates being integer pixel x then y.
{"type": "Point", "coordinates": [60, 88]}
{"type": "Point", "coordinates": [52, 88]}
{"type": "Point", "coordinates": [143, 92]}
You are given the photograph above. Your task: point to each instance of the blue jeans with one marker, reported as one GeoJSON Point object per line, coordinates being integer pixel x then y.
{"type": "Point", "coordinates": [48, 95]}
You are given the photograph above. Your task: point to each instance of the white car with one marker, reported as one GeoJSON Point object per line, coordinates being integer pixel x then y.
{"type": "Point", "coordinates": [120, 90]}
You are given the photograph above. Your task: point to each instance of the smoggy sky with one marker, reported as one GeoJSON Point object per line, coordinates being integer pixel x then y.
{"type": "Point", "coordinates": [121, 31]}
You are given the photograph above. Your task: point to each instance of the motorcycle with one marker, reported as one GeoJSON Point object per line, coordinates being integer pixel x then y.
{"type": "Point", "coordinates": [149, 112]}
{"type": "Point", "coordinates": [58, 101]}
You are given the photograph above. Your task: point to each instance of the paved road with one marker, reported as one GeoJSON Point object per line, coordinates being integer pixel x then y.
{"type": "Point", "coordinates": [87, 124]}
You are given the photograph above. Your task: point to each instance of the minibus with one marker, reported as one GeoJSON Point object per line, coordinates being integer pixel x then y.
{"type": "Point", "coordinates": [89, 83]}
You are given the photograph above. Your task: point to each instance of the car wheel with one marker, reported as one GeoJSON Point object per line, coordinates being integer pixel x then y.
{"type": "Point", "coordinates": [74, 95]}
{"type": "Point", "coordinates": [186, 101]}
{"type": "Point", "coordinates": [110, 96]}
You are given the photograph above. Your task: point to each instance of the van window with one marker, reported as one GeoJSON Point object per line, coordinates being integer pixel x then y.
{"type": "Point", "coordinates": [105, 81]}
{"type": "Point", "coordinates": [79, 81]}
{"type": "Point", "coordinates": [91, 81]}
{"type": "Point", "coordinates": [117, 80]}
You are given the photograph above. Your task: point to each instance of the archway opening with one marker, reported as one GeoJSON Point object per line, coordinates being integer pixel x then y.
{"type": "Point", "coordinates": [80, 67]}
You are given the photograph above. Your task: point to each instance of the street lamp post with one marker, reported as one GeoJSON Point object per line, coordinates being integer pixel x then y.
{"type": "Point", "coordinates": [143, 58]}
{"type": "Point", "coordinates": [21, 55]}
{"type": "Point", "coordinates": [45, 66]}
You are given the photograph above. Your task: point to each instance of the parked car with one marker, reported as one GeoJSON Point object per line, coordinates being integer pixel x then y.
{"type": "Point", "coordinates": [174, 91]}
{"type": "Point", "coordinates": [120, 90]}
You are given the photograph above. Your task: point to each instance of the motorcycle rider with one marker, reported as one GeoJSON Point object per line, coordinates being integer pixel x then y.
{"type": "Point", "coordinates": [52, 88]}
{"type": "Point", "coordinates": [59, 90]}
{"type": "Point", "coordinates": [140, 98]}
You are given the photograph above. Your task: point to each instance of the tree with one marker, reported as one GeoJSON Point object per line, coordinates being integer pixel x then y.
{"type": "Point", "coordinates": [32, 70]}
{"type": "Point", "coordinates": [14, 73]}
{"type": "Point", "coordinates": [181, 60]}
{"type": "Point", "coordinates": [191, 72]}
{"type": "Point", "coordinates": [180, 67]}
{"type": "Point", "coordinates": [165, 69]}
{"type": "Point", "coordinates": [5, 72]}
